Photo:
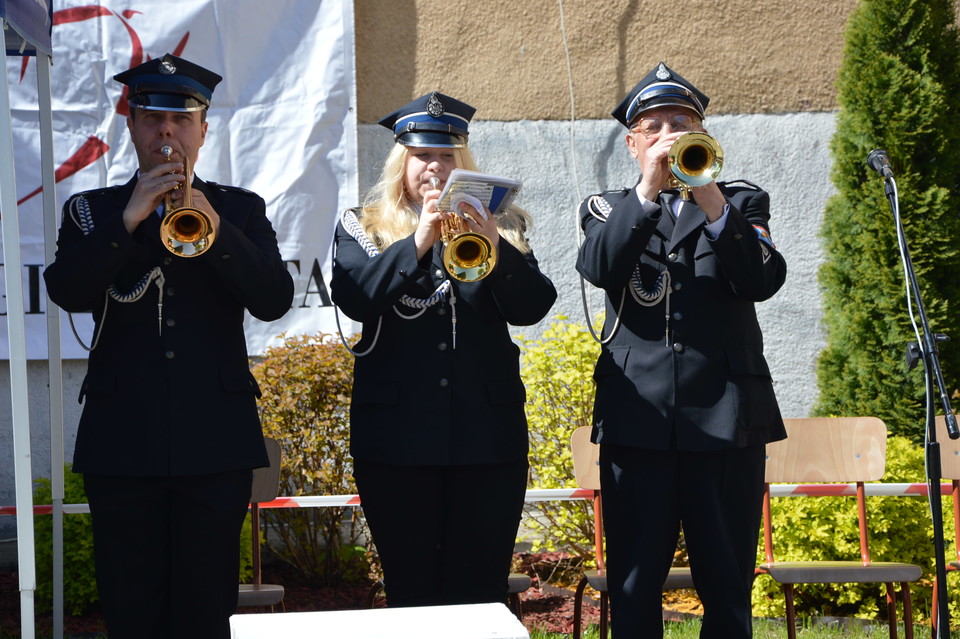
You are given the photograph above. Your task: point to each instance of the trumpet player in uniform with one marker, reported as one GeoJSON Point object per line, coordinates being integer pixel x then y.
{"type": "Point", "coordinates": [684, 400]}
{"type": "Point", "coordinates": [438, 431]}
{"type": "Point", "coordinates": [169, 432]}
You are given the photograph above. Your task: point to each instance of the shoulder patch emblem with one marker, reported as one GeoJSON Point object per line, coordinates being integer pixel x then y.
{"type": "Point", "coordinates": [764, 236]}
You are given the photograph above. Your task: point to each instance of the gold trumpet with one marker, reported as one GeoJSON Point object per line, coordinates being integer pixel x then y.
{"type": "Point", "coordinates": [185, 231]}
{"type": "Point", "coordinates": [467, 256]}
{"type": "Point", "coordinates": [695, 159]}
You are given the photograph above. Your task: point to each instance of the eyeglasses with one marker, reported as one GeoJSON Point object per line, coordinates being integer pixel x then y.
{"type": "Point", "coordinates": [649, 127]}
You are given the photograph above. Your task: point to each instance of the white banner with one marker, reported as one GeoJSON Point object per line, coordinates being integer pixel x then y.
{"type": "Point", "coordinates": [282, 124]}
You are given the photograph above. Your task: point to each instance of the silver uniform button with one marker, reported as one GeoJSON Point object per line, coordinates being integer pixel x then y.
{"type": "Point", "coordinates": [678, 347]}
{"type": "Point", "coordinates": [170, 354]}
{"type": "Point", "coordinates": [443, 382]}
{"type": "Point", "coordinates": [442, 346]}
{"type": "Point", "coordinates": [672, 257]}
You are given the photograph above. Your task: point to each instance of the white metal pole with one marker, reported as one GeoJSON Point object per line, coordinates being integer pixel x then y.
{"type": "Point", "coordinates": [54, 352]}
{"type": "Point", "coordinates": [16, 337]}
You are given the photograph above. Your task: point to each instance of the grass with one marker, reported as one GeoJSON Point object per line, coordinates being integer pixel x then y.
{"type": "Point", "coordinates": [770, 629]}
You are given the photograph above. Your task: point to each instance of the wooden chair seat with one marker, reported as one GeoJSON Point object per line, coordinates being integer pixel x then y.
{"type": "Point", "coordinates": [518, 582]}
{"type": "Point", "coordinates": [828, 572]}
{"type": "Point", "coordinates": [259, 595]}
{"type": "Point", "coordinates": [596, 579]}
{"type": "Point", "coordinates": [679, 577]}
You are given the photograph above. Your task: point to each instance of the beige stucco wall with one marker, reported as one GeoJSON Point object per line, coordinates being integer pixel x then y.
{"type": "Point", "coordinates": [507, 57]}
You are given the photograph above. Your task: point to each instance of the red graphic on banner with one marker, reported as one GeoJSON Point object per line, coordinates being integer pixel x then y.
{"type": "Point", "coordinates": [86, 155]}
{"type": "Point", "coordinates": [94, 148]}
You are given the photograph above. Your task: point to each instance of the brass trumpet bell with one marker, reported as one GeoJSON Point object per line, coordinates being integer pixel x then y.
{"type": "Point", "coordinates": [185, 231]}
{"type": "Point", "coordinates": [467, 256]}
{"type": "Point", "coordinates": [694, 159]}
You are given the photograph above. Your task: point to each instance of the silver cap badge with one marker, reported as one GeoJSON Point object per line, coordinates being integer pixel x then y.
{"type": "Point", "coordinates": [434, 106]}
{"type": "Point", "coordinates": [167, 67]}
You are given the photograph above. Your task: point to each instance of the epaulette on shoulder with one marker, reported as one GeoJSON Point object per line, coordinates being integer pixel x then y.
{"type": "Point", "coordinates": [740, 183]}
{"type": "Point", "coordinates": [92, 193]}
{"type": "Point", "coordinates": [600, 204]}
{"type": "Point", "coordinates": [231, 189]}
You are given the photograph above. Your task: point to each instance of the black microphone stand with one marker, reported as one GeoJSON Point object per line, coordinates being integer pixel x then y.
{"type": "Point", "coordinates": [928, 353]}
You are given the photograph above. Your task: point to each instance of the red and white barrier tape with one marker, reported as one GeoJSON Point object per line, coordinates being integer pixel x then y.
{"type": "Point", "coordinates": [563, 494]}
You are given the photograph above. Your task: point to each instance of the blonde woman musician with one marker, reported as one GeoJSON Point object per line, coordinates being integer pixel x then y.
{"type": "Point", "coordinates": [438, 432]}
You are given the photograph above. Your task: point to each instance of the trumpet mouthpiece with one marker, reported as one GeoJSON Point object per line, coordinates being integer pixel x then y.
{"type": "Point", "coordinates": [434, 182]}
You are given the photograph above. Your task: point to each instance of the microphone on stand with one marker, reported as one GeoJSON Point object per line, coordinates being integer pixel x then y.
{"type": "Point", "coordinates": [879, 161]}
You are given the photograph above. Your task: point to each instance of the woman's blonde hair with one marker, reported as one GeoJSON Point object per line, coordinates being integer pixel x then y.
{"type": "Point", "coordinates": [388, 214]}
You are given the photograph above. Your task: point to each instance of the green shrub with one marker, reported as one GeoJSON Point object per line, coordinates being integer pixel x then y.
{"type": "Point", "coordinates": [307, 382]}
{"type": "Point", "coordinates": [79, 572]}
{"type": "Point", "coordinates": [557, 370]}
{"type": "Point", "coordinates": [825, 528]}
{"type": "Point", "coordinates": [79, 576]}
{"type": "Point", "coordinates": [897, 89]}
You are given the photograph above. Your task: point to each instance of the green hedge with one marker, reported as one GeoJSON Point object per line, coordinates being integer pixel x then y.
{"type": "Point", "coordinates": [557, 370]}
{"type": "Point", "coordinates": [307, 382]}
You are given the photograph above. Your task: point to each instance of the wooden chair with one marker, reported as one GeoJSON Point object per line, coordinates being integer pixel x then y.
{"type": "Point", "coordinates": [833, 450]}
{"type": "Point", "coordinates": [266, 486]}
{"type": "Point", "coordinates": [586, 470]}
{"type": "Point", "coordinates": [949, 469]}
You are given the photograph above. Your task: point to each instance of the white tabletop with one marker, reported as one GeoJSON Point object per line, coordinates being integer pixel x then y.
{"type": "Point", "coordinates": [476, 621]}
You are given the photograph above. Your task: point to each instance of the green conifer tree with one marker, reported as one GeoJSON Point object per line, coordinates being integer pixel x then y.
{"type": "Point", "coordinates": [898, 90]}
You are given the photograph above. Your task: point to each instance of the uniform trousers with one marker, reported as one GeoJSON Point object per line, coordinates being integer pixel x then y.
{"type": "Point", "coordinates": [444, 534]}
{"type": "Point", "coordinates": [717, 497]}
{"type": "Point", "coordinates": [167, 552]}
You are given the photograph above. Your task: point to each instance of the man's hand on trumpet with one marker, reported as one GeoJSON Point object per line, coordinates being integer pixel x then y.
{"type": "Point", "coordinates": [152, 186]}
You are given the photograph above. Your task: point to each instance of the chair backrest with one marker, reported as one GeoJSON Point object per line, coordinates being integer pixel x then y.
{"type": "Point", "coordinates": [949, 451]}
{"type": "Point", "coordinates": [950, 469]}
{"type": "Point", "coordinates": [586, 459]}
{"type": "Point", "coordinates": [828, 449]}
{"type": "Point", "coordinates": [586, 470]}
{"type": "Point", "coordinates": [266, 480]}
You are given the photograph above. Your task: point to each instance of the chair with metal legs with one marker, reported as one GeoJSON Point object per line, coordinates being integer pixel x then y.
{"type": "Point", "coordinates": [586, 469]}
{"type": "Point", "coordinates": [834, 450]}
{"type": "Point", "coordinates": [266, 486]}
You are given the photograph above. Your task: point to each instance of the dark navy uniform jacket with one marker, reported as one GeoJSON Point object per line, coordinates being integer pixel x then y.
{"type": "Point", "coordinates": [170, 396]}
{"type": "Point", "coordinates": [417, 400]}
{"type": "Point", "coordinates": [693, 378]}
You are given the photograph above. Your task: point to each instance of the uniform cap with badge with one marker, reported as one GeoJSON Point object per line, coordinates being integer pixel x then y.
{"type": "Point", "coordinates": [695, 158]}
{"type": "Point", "coordinates": [432, 120]}
{"type": "Point", "coordinates": [169, 83]}
{"type": "Point", "coordinates": [661, 87]}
